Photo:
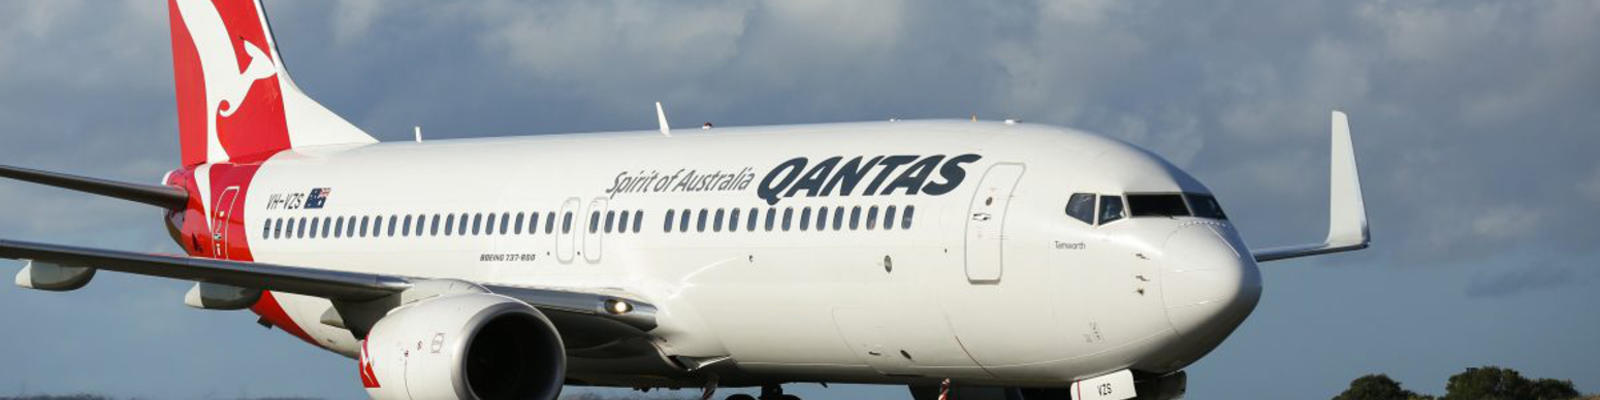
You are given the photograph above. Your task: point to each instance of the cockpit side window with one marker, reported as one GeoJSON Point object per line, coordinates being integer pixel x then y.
{"type": "Point", "coordinates": [1205, 206]}
{"type": "Point", "coordinates": [1111, 209]}
{"type": "Point", "coordinates": [1157, 205]}
{"type": "Point", "coordinates": [1081, 206]}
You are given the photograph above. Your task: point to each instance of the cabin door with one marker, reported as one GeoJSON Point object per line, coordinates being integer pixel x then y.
{"type": "Point", "coordinates": [986, 223]}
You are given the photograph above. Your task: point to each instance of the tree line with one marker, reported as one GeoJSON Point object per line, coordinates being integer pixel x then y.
{"type": "Point", "coordinates": [1481, 383]}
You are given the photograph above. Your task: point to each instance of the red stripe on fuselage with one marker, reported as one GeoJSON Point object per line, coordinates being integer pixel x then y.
{"type": "Point", "coordinates": [197, 228]}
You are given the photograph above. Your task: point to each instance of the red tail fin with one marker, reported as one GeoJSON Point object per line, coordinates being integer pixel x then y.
{"type": "Point", "coordinates": [235, 101]}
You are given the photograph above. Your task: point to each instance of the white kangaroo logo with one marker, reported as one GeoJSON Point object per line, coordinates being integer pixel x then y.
{"type": "Point", "coordinates": [235, 90]}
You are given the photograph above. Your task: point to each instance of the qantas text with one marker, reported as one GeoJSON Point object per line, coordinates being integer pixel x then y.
{"type": "Point", "coordinates": [907, 174]}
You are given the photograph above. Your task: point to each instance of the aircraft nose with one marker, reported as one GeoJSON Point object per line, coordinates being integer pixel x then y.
{"type": "Point", "coordinates": [1210, 286]}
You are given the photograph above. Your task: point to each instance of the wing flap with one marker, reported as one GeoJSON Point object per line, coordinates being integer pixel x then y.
{"type": "Point", "coordinates": [307, 281]}
{"type": "Point", "coordinates": [591, 318]}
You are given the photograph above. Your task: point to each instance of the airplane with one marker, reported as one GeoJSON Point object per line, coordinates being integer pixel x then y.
{"type": "Point", "coordinates": [964, 258]}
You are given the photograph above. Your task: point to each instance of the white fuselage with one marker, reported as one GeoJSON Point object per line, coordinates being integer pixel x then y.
{"type": "Point", "coordinates": [989, 282]}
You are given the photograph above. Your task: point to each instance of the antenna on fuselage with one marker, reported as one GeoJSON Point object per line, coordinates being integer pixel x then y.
{"type": "Point", "coordinates": [661, 118]}
{"type": "Point", "coordinates": [417, 131]}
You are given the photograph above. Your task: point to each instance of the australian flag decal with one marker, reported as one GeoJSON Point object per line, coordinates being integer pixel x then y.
{"type": "Point", "coordinates": [318, 198]}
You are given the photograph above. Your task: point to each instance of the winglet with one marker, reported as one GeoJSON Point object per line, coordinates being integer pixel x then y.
{"type": "Point", "coordinates": [661, 118]}
{"type": "Point", "coordinates": [1347, 211]}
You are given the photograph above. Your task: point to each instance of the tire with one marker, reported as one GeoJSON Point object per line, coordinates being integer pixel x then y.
{"type": "Point", "coordinates": [741, 396]}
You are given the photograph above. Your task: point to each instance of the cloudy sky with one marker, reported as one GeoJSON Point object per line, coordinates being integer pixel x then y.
{"type": "Point", "coordinates": [1475, 123]}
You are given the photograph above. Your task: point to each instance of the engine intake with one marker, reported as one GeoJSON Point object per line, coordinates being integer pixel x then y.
{"type": "Point", "coordinates": [464, 346]}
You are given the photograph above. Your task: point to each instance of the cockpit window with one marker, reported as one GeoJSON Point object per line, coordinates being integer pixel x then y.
{"type": "Point", "coordinates": [1157, 205]}
{"type": "Point", "coordinates": [1110, 209]}
{"type": "Point", "coordinates": [1205, 206]}
{"type": "Point", "coordinates": [1081, 206]}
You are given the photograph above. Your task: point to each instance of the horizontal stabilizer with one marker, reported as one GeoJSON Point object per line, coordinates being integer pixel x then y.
{"type": "Point", "coordinates": [157, 195]}
{"type": "Point", "coordinates": [1347, 212]}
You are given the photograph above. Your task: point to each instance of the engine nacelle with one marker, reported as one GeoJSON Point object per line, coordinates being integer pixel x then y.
{"type": "Point", "coordinates": [53, 277]}
{"type": "Point", "coordinates": [464, 346]}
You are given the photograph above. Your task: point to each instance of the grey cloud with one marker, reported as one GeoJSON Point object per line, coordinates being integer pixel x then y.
{"type": "Point", "coordinates": [1523, 280]}
{"type": "Point", "coordinates": [1474, 120]}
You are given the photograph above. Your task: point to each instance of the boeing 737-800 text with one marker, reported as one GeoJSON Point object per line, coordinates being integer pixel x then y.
{"type": "Point", "coordinates": [995, 260]}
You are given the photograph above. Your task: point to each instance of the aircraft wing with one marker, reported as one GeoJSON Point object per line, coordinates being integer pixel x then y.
{"type": "Point", "coordinates": [1347, 212]}
{"type": "Point", "coordinates": [575, 312]}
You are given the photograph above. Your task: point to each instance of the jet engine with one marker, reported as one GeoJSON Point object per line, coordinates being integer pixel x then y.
{"type": "Point", "coordinates": [464, 346]}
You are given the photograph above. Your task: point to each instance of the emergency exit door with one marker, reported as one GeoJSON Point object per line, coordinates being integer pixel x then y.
{"type": "Point", "coordinates": [986, 223]}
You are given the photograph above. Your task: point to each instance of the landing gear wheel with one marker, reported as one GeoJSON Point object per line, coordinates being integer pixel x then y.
{"type": "Point", "coordinates": [741, 396]}
{"type": "Point", "coordinates": [788, 397]}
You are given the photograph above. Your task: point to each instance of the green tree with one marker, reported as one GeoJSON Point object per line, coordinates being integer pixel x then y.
{"type": "Point", "coordinates": [1375, 387]}
{"type": "Point", "coordinates": [1552, 389]}
{"type": "Point", "coordinates": [1495, 383]}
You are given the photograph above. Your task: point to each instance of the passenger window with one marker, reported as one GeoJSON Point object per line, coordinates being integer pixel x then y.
{"type": "Point", "coordinates": [872, 218]}
{"type": "Point", "coordinates": [822, 218]}
{"type": "Point", "coordinates": [754, 214]}
{"type": "Point", "coordinates": [716, 223]}
{"type": "Point", "coordinates": [1081, 207]}
{"type": "Point", "coordinates": [533, 222]}
{"type": "Point", "coordinates": [266, 230]}
{"type": "Point", "coordinates": [364, 221]}
{"type": "Point", "coordinates": [488, 226]}
{"type": "Point", "coordinates": [733, 220]}
{"type": "Point", "coordinates": [666, 223]}
{"type": "Point", "coordinates": [594, 221]}
{"type": "Point", "coordinates": [772, 217]}
{"type": "Point", "coordinates": [449, 224]}
{"type": "Point", "coordinates": [301, 233]}
{"type": "Point", "coordinates": [788, 214]}
{"type": "Point", "coordinates": [477, 222]}
{"type": "Point", "coordinates": [855, 217]}
{"type": "Point", "coordinates": [1110, 209]}
{"type": "Point", "coordinates": [433, 226]}
{"type": "Point", "coordinates": [611, 220]}
{"type": "Point", "coordinates": [700, 221]}
{"type": "Point", "coordinates": [638, 220]}
{"type": "Point", "coordinates": [805, 219]}
{"type": "Point", "coordinates": [377, 226]}
{"type": "Point", "coordinates": [406, 229]}
{"type": "Point", "coordinates": [905, 220]}
{"type": "Point", "coordinates": [277, 229]}
{"type": "Point", "coordinates": [683, 220]}
{"type": "Point", "coordinates": [1205, 206]}
{"type": "Point", "coordinates": [392, 220]}
{"type": "Point", "coordinates": [350, 229]}
{"type": "Point", "coordinates": [315, 223]}
{"type": "Point", "coordinates": [327, 227]}
{"type": "Point", "coordinates": [549, 222]}
{"type": "Point", "coordinates": [888, 218]}
{"type": "Point", "coordinates": [338, 228]}
{"type": "Point", "coordinates": [463, 224]}
{"type": "Point", "coordinates": [505, 222]}
{"type": "Point", "coordinates": [622, 221]}
{"type": "Point", "coordinates": [566, 222]}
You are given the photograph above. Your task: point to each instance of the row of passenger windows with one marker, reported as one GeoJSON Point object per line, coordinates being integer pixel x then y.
{"type": "Point", "coordinates": [612, 221]}
{"type": "Point", "coordinates": [462, 224]}
{"type": "Point", "coordinates": [1111, 207]}
{"type": "Point", "coordinates": [789, 218]}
